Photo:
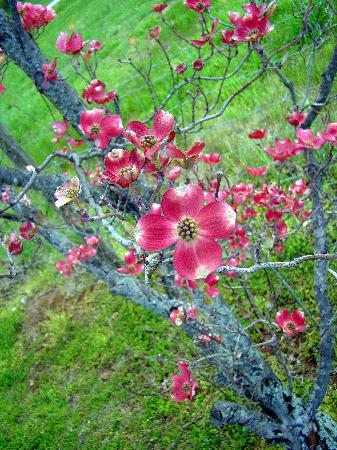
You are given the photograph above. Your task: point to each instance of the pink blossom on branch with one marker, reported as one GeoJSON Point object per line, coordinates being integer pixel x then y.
{"type": "Point", "coordinates": [100, 127]}
{"type": "Point", "coordinates": [15, 247]}
{"type": "Point", "coordinates": [198, 5]}
{"type": "Point", "coordinates": [330, 134]}
{"type": "Point", "coordinates": [122, 167]}
{"type": "Point", "coordinates": [132, 266]}
{"type": "Point", "coordinates": [34, 17]}
{"type": "Point", "coordinates": [2, 88]}
{"type": "Point", "coordinates": [198, 65]}
{"type": "Point", "coordinates": [183, 387]}
{"type": "Point", "coordinates": [95, 93]}
{"type": "Point", "coordinates": [192, 227]}
{"type": "Point", "coordinates": [70, 46]}
{"type": "Point", "coordinates": [258, 134]}
{"type": "Point", "coordinates": [160, 7]}
{"type": "Point", "coordinates": [150, 140]}
{"type": "Point", "coordinates": [177, 316]}
{"type": "Point", "coordinates": [257, 171]}
{"type": "Point", "coordinates": [296, 118]}
{"type": "Point", "coordinates": [180, 68]}
{"type": "Point", "coordinates": [67, 192]}
{"type": "Point", "coordinates": [153, 34]}
{"type": "Point", "coordinates": [290, 323]}
{"type": "Point", "coordinates": [60, 128]}
{"type": "Point", "coordinates": [282, 150]}
{"type": "Point", "coordinates": [49, 71]}
{"type": "Point", "coordinates": [307, 139]}
{"type": "Point", "coordinates": [27, 230]}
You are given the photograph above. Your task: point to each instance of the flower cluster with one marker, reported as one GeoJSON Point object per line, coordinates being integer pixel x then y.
{"type": "Point", "coordinates": [33, 16]}
{"type": "Point", "coordinates": [122, 167]}
{"type": "Point", "coordinates": [178, 315]}
{"type": "Point", "coordinates": [77, 255]}
{"type": "Point", "coordinates": [28, 231]}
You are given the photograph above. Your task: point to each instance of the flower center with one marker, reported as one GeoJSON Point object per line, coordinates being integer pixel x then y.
{"type": "Point", "coordinates": [186, 387]}
{"type": "Point", "coordinates": [95, 129]}
{"type": "Point", "coordinates": [187, 229]}
{"type": "Point", "coordinates": [254, 34]}
{"type": "Point", "coordinates": [71, 193]}
{"type": "Point", "coordinates": [200, 5]}
{"type": "Point", "coordinates": [291, 326]}
{"type": "Point", "coordinates": [125, 171]}
{"type": "Point", "coordinates": [148, 141]}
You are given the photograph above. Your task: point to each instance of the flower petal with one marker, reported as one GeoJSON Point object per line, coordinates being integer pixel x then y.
{"type": "Point", "coordinates": [198, 259]}
{"type": "Point", "coordinates": [216, 220]}
{"type": "Point", "coordinates": [154, 232]}
{"type": "Point", "coordinates": [135, 131]}
{"type": "Point", "coordinates": [162, 124]}
{"type": "Point", "coordinates": [185, 201]}
{"type": "Point", "coordinates": [282, 317]}
{"type": "Point", "coordinates": [298, 317]}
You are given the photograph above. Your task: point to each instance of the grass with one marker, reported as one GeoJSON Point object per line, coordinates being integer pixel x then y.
{"type": "Point", "coordinates": [80, 368]}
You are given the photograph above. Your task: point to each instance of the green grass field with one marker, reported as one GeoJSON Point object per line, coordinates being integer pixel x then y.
{"type": "Point", "coordinates": [79, 368]}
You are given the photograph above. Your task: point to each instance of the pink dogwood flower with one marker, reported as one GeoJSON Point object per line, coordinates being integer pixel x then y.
{"type": "Point", "coordinates": [27, 230]}
{"type": "Point", "coordinates": [15, 247]}
{"type": "Point", "coordinates": [198, 5]}
{"type": "Point", "coordinates": [150, 140]}
{"type": "Point", "coordinates": [122, 167]}
{"type": "Point", "coordinates": [92, 241]}
{"type": "Point", "coordinates": [330, 134]}
{"type": "Point", "coordinates": [95, 93]}
{"type": "Point", "coordinates": [64, 268]}
{"type": "Point", "coordinates": [67, 192]}
{"type": "Point", "coordinates": [258, 134]}
{"type": "Point", "coordinates": [198, 64]}
{"type": "Point", "coordinates": [60, 128]}
{"type": "Point", "coordinates": [192, 227]}
{"type": "Point", "coordinates": [290, 323]}
{"type": "Point", "coordinates": [49, 71]}
{"type": "Point", "coordinates": [160, 7]}
{"type": "Point", "coordinates": [180, 68]}
{"type": "Point", "coordinates": [100, 127]}
{"type": "Point", "coordinates": [177, 316]}
{"type": "Point", "coordinates": [213, 158]}
{"type": "Point", "coordinates": [296, 118]}
{"type": "Point", "coordinates": [132, 266]}
{"type": "Point", "coordinates": [307, 139]}
{"type": "Point", "coordinates": [2, 88]}
{"type": "Point", "coordinates": [282, 150]}
{"type": "Point", "coordinates": [70, 46]}
{"type": "Point", "coordinates": [257, 171]}
{"type": "Point", "coordinates": [153, 34]}
{"type": "Point", "coordinates": [94, 46]}
{"type": "Point", "coordinates": [183, 387]}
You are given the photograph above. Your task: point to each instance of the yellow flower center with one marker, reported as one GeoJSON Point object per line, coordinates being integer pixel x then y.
{"type": "Point", "coordinates": [187, 229]}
